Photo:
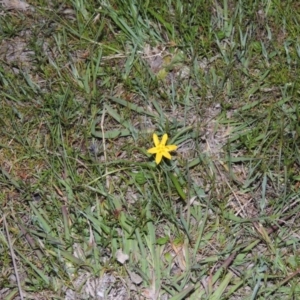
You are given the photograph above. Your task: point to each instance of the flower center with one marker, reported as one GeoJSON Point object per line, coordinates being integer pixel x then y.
{"type": "Point", "coordinates": [160, 148]}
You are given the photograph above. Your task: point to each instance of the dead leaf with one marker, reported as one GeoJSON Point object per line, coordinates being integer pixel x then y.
{"type": "Point", "coordinates": [135, 278]}
{"type": "Point", "coordinates": [121, 257]}
{"type": "Point", "coordinates": [15, 4]}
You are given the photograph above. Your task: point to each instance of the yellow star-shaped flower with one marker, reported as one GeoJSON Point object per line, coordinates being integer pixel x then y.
{"type": "Point", "coordinates": [161, 149]}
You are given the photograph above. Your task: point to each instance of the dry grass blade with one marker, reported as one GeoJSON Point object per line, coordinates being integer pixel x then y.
{"type": "Point", "coordinates": [12, 253]}
{"type": "Point", "coordinates": [104, 144]}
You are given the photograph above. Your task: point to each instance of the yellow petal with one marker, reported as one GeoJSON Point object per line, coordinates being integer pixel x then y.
{"type": "Point", "coordinates": [171, 147]}
{"type": "Point", "coordinates": [152, 150]}
{"type": "Point", "coordinates": [155, 139]}
{"type": "Point", "coordinates": [166, 154]}
{"type": "Point", "coordinates": [164, 139]}
{"type": "Point", "coordinates": [158, 158]}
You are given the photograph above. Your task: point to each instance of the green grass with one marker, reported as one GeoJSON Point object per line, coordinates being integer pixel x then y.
{"type": "Point", "coordinates": [85, 211]}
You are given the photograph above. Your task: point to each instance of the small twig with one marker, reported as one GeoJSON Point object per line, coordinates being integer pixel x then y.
{"type": "Point", "coordinates": [12, 253]}
{"type": "Point", "coordinates": [286, 280]}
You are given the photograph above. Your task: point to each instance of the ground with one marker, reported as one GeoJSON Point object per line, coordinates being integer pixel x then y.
{"type": "Point", "coordinates": [86, 212]}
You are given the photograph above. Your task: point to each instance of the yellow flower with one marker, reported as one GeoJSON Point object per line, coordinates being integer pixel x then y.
{"type": "Point", "coordinates": [161, 149]}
